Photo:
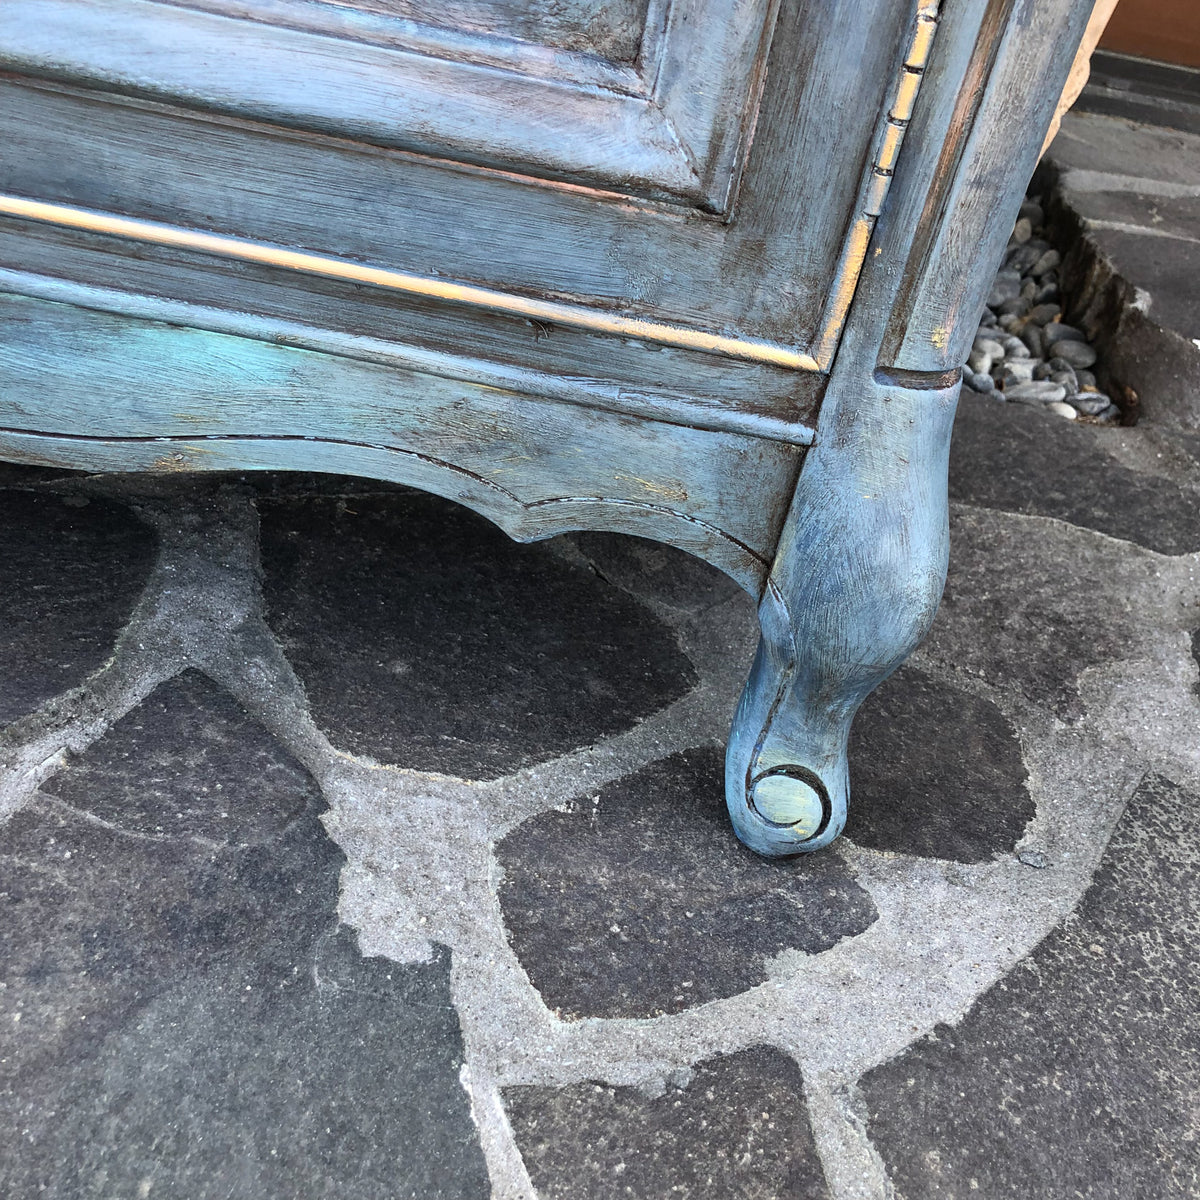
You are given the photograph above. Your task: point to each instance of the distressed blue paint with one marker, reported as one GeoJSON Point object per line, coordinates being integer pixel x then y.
{"type": "Point", "coordinates": [116, 355]}
{"type": "Point", "coordinates": [853, 589]}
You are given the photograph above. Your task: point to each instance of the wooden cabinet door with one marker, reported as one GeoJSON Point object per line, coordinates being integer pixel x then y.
{"type": "Point", "coordinates": [650, 98]}
{"type": "Point", "coordinates": [702, 172]}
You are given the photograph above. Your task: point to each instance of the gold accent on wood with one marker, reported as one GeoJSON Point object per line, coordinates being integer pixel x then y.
{"type": "Point", "coordinates": [906, 95]}
{"type": "Point", "coordinates": [922, 43]}
{"type": "Point", "coordinates": [577, 316]}
{"type": "Point", "coordinates": [875, 187]}
{"type": "Point", "coordinates": [877, 193]}
{"type": "Point", "coordinates": [889, 150]}
{"type": "Point", "coordinates": [845, 282]}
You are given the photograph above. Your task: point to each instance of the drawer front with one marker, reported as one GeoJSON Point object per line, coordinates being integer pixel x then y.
{"type": "Point", "coordinates": [700, 172]}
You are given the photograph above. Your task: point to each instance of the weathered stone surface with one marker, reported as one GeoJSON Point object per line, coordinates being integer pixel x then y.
{"type": "Point", "coordinates": [180, 1014]}
{"type": "Point", "coordinates": [1135, 187]}
{"type": "Point", "coordinates": [188, 763]}
{"type": "Point", "coordinates": [1031, 614]}
{"type": "Point", "coordinates": [935, 771]}
{"type": "Point", "coordinates": [656, 570]}
{"type": "Point", "coordinates": [20, 475]}
{"type": "Point", "coordinates": [425, 637]}
{"type": "Point", "coordinates": [738, 1131]}
{"type": "Point", "coordinates": [72, 571]}
{"type": "Point", "coordinates": [1078, 1074]}
{"type": "Point", "coordinates": [1130, 192]}
{"type": "Point", "coordinates": [1167, 264]}
{"type": "Point", "coordinates": [1023, 461]}
{"type": "Point", "coordinates": [641, 901]}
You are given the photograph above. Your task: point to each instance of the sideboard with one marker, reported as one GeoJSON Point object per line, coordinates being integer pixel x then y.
{"type": "Point", "coordinates": [697, 270]}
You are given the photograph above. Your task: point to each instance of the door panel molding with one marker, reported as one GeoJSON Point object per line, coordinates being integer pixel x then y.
{"type": "Point", "coordinates": [576, 315]}
{"type": "Point", "coordinates": [674, 141]}
{"type": "Point", "coordinates": [772, 286]}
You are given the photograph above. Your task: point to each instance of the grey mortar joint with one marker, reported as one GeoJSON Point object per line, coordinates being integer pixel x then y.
{"type": "Point", "coordinates": [421, 867]}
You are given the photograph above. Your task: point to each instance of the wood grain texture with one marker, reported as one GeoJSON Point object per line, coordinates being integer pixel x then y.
{"type": "Point", "coordinates": [627, 375]}
{"type": "Point", "coordinates": [74, 373]}
{"type": "Point", "coordinates": [537, 57]}
{"type": "Point", "coordinates": [1025, 52]}
{"type": "Point", "coordinates": [853, 589]}
{"type": "Point", "coordinates": [764, 274]}
{"type": "Point", "coordinates": [405, 283]}
{"type": "Point", "coordinates": [118, 354]}
{"type": "Point", "coordinates": [678, 140]}
{"type": "Point", "coordinates": [610, 29]}
{"type": "Point", "coordinates": [522, 522]}
{"type": "Point", "coordinates": [954, 81]}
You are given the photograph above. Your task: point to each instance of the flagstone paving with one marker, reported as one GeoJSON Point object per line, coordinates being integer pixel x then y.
{"type": "Point", "coordinates": [352, 850]}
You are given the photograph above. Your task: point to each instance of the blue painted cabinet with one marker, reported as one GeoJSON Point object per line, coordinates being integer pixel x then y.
{"type": "Point", "coordinates": [700, 270]}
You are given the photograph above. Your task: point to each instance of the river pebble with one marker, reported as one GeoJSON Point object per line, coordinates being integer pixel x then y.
{"type": "Point", "coordinates": [1024, 352]}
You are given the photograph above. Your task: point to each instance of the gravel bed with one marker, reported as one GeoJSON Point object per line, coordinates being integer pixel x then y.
{"type": "Point", "coordinates": [1024, 353]}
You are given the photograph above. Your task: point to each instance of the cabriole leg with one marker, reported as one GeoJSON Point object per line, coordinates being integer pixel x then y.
{"type": "Point", "coordinates": [854, 587]}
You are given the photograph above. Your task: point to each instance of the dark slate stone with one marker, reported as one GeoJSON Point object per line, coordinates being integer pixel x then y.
{"type": "Point", "coordinates": [1031, 614]}
{"type": "Point", "coordinates": [738, 1131]}
{"type": "Point", "coordinates": [1196, 652]}
{"type": "Point", "coordinates": [425, 637]}
{"type": "Point", "coordinates": [21, 475]}
{"type": "Point", "coordinates": [73, 569]}
{"type": "Point", "coordinates": [1019, 459]}
{"type": "Point", "coordinates": [1078, 1074]}
{"type": "Point", "coordinates": [656, 570]}
{"type": "Point", "coordinates": [1190, 443]}
{"type": "Point", "coordinates": [193, 1022]}
{"type": "Point", "coordinates": [935, 771]}
{"type": "Point", "coordinates": [641, 901]}
{"type": "Point", "coordinates": [187, 763]}
{"type": "Point", "coordinates": [1156, 251]}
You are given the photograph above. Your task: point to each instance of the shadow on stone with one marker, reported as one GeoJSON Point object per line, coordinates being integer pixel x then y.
{"type": "Point", "coordinates": [738, 1131]}
{"type": "Point", "coordinates": [1077, 1075]}
{"type": "Point", "coordinates": [935, 771]}
{"type": "Point", "coordinates": [74, 569]}
{"type": "Point", "coordinates": [641, 901]}
{"type": "Point", "coordinates": [425, 637]}
{"type": "Point", "coordinates": [656, 570]}
{"type": "Point", "coordinates": [181, 1014]}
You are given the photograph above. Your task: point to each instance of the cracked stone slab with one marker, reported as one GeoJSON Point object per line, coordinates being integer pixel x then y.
{"type": "Point", "coordinates": [935, 771]}
{"type": "Point", "coordinates": [1078, 1074]}
{"type": "Point", "coordinates": [738, 1130]}
{"type": "Point", "coordinates": [181, 1014]}
{"type": "Point", "coordinates": [1017, 459]}
{"type": "Point", "coordinates": [73, 569]}
{"type": "Point", "coordinates": [1126, 198]}
{"type": "Point", "coordinates": [426, 639]}
{"type": "Point", "coordinates": [186, 764]}
{"type": "Point", "coordinates": [640, 901]}
{"type": "Point", "coordinates": [1044, 617]}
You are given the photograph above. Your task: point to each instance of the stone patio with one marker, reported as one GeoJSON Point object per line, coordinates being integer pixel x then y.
{"type": "Point", "coordinates": [352, 850]}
